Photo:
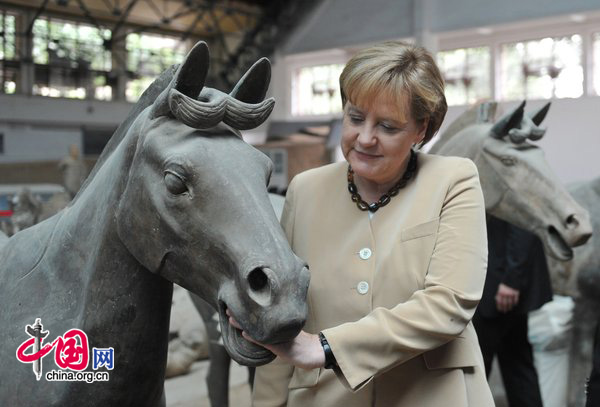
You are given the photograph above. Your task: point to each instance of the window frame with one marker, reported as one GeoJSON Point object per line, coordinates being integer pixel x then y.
{"type": "Point", "coordinates": [305, 60]}
{"type": "Point", "coordinates": [532, 30]}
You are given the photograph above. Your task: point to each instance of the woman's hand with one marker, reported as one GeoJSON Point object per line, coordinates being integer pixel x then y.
{"type": "Point", "coordinates": [303, 351]}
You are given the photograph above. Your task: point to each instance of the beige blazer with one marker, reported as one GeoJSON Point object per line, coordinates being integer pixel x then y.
{"type": "Point", "coordinates": [394, 295]}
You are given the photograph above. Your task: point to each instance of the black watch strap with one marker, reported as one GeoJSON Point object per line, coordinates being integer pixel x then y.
{"type": "Point", "coordinates": [330, 361]}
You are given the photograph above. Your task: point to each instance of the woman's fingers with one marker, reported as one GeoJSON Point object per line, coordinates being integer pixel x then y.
{"type": "Point", "coordinates": [250, 339]}
{"type": "Point", "coordinates": [232, 320]}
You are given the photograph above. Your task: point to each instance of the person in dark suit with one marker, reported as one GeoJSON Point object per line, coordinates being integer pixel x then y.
{"type": "Point", "coordinates": [517, 282]}
{"type": "Point", "coordinates": [593, 384]}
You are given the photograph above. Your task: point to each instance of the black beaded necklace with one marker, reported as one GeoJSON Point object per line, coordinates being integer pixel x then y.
{"type": "Point", "coordinates": [411, 168]}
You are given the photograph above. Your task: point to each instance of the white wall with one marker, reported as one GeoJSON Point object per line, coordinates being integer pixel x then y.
{"type": "Point", "coordinates": [572, 140]}
{"type": "Point", "coordinates": [41, 128]}
{"type": "Point", "coordinates": [39, 110]}
{"type": "Point", "coordinates": [28, 143]}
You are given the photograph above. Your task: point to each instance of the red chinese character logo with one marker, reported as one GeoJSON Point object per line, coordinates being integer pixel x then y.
{"type": "Point", "coordinates": [71, 351]}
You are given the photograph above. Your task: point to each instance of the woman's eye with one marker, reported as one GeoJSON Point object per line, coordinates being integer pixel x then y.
{"type": "Point", "coordinates": [508, 160]}
{"type": "Point", "coordinates": [387, 128]}
{"type": "Point", "coordinates": [356, 119]}
{"type": "Point", "coordinates": [174, 183]}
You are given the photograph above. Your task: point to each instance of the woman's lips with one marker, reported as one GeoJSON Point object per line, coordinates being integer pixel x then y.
{"type": "Point", "coordinates": [365, 156]}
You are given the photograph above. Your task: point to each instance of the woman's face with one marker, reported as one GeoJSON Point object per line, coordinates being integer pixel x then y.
{"type": "Point", "coordinates": [376, 139]}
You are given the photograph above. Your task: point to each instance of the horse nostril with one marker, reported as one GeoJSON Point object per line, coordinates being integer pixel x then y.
{"type": "Point", "coordinates": [572, 221]}
{"type": "Point", "coordinates": [258, 280]}
{"type": "Point", "coordinates": [260, 286]}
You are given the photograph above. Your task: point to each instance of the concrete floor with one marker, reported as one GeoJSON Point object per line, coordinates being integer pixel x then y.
{"type": "Point", "coordinates": [190, 390]}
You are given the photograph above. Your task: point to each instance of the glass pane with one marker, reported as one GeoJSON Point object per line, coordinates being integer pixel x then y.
{"type": "Point", "coordinates": [40, 41]}
{"type": "Point", "coordinates": [466, 73]}
{"type": "Point", "coordinates": [7, 40]}
{"type": "Point", "coordinates": [148, 55]}
{"type": "Point", "coordinates": [542, 69]}
{"type": "Point", "coordinates": [315, 90]}
{"type": "Point", "coordinates": [75, 55]}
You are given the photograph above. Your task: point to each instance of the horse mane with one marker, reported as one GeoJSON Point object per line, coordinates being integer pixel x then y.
{"type": "Point", "coordinates": [467, 118]}
{"type": "Point", "coordinates": [147, 99]}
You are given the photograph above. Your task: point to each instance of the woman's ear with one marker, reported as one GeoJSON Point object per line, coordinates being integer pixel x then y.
{"type": "Point", "coordinates": [422, 130]}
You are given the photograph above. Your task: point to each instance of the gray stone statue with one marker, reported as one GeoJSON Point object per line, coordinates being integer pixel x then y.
{"type": "Point", "coordinates": [519, 187]}
{"type": "Point", "coordinates": [26, 210]}
{"type": "Point", "coordinates": [580, 279]}
{"type": "Point", "coordinates": [29, 210]}
{"type": "Point", "coordinates": [518, 184]}
{"type": "Point", "coordinates": [182, 355]}
{"type": "Point", "coordinates": [176, 196]}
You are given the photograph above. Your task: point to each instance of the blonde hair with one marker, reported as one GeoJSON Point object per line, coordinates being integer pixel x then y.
{"type": "Point", "coordinates": [402, 72]}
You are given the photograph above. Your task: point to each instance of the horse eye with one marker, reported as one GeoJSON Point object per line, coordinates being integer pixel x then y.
{"type": "Point", "coordinates": [508, 160]}
{"type": "Point", "coordinates": [174, 183]}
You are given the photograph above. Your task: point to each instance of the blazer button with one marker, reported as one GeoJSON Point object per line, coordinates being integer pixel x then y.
{"type": "Point", "coordinates": [365, 253]}
{"type": "Point", "coordinates": [362, 287]}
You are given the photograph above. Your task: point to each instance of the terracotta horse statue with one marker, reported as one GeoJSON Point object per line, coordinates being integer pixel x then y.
{"type": "Point", "coordinates": [517, 182]}
{"type": "Point", "coordinates": [519, 187]}
{"type": "Point", "coordinates": [217, 377]}
{"type": "Point", "coordinates": [176, 197]}
{"type": "Point", "coordinates": [580, 279]}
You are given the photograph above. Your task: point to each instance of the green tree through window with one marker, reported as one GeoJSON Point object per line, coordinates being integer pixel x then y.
{"type": "Point", "coordinates": [147, 56]}
{"type": "Point", "coordinates": [466, 73]}
{"type": "Point", "coordinates": [542, 69]}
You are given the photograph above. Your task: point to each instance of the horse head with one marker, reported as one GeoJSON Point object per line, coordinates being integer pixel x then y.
{"type": "Point", "coordinates": [518, 184]}
{"type": "Point", "coordinates": [195, 208]}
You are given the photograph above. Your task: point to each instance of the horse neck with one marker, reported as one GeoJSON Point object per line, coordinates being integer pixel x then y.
{"type": "Point", "coordinates": [116, 290]}
{"type": "Point", "coordinates": [466, 143]}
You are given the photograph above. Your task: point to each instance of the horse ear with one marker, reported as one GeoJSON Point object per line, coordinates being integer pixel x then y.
{"type": "Point", "coordinates": [193, 70]}
{"type": "Point", "coordinates": [539, 116]}
{"type": "Point", "coordinates": [252, 87]}
{"type": "Point", "coordinates": [188, 79]}
{"type": "Point", "coordinates": [509, 121]}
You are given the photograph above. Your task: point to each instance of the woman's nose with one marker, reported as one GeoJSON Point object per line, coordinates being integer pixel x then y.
{"type": "Point", "coordinates": [366, 136]}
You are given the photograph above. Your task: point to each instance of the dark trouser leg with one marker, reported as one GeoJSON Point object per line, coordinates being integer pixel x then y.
{"type": "Point", "coordinates": [593, 387]}
{"type": "Point", "coordinates": [217, 379]}
{"type": "Point", "coordinates": [251, 371]}
{"type": "Point", "coordinates": [489, 333]}
{"type": "Point", "coordinates": [516, 365]}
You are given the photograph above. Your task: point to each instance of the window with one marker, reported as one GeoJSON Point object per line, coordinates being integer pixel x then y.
{"type": "Point", "coordinates": [148, 55]}
{"type": "Point", "coordinates": [466, 73]}
{"type": "Point", "coordinates": [8, 54]}
{"type": "Point", "coordinates": [315, 90]}
{"type": "Point", "coordinates": [7, 36]}
{"type": "Point", "coordinates": [542, 69]}
{"type": "Point", "coordinates": [74, 58]}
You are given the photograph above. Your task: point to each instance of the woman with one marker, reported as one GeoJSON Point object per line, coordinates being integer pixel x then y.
{"type": "Point", "coordinates": [396, 245]}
